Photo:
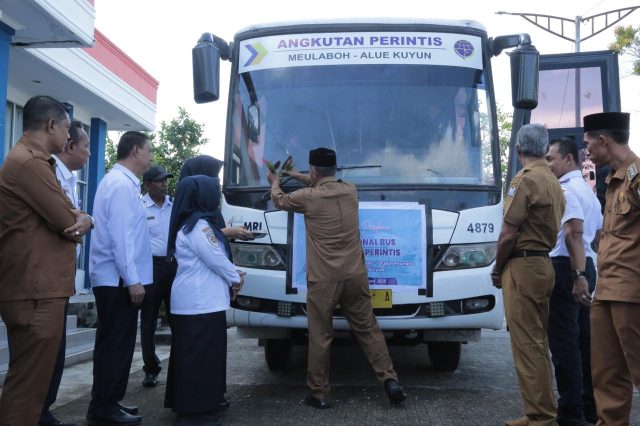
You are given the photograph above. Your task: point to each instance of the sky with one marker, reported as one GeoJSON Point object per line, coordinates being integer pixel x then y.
{"type": "Point", "coordinates": [159, 36]}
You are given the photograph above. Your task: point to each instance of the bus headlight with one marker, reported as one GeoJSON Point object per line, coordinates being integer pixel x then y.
{"type": "Point", "coordinates": [467, 256]}
{"type": "Point", "coordinates": [260, 256]}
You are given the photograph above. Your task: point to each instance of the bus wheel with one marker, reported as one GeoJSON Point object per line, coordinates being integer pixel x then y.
{"type": "Point", "coordinates": [277, 353]}
{"type": "Point", "coordinates": [445, 356]}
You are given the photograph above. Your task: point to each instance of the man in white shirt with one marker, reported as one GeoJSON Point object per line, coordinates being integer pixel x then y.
{"type": "Point", "coordinates": [158, 206]}
{"type": "Point", "coordinates": [572, 258]}
{"type": "Point", "coordinates": [120, 265]}
{"type": "Point", "coordinates": [73, 157]}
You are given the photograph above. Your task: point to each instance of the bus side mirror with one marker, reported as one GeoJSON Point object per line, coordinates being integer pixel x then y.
{"type": "Point", "coordinates": [524, 77]}
{"type": "Point", "coordinates": [253, 122]}
{"type": "Point", "coordinates": [206, 70]}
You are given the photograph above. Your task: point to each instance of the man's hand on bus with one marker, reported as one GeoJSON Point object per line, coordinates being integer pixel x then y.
{"type": "Point", "coordinates": [294, 173]}
{"type": "Point", "coordinates": [272, 177]}
{"type": "Point", "coordinates": [496, 278]}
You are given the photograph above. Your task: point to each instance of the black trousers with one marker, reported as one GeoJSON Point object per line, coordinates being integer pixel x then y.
{"type": "Point", "coordinates": [52, 393]}
{"type": "Point", "coordinates": [114, 346]}
{"type": "Point", "coordinates": [163, 274]}
{"type": "Point", "coordinates": [569, 341]}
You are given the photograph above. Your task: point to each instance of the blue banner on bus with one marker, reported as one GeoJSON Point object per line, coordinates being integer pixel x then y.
{"type": "Point", "coordinates": [394, 242]}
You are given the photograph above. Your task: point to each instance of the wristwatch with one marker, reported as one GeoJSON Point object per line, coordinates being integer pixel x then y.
{"type": "Point", "coordinates": [93, 223]}
{"type": "Point", "coordinates": [576, 273]}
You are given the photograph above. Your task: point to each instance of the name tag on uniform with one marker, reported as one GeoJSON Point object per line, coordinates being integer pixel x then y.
{"type": "Point", "coordinates": [632, 171]}
{"type": "Point", "coordinates": [151, 217]}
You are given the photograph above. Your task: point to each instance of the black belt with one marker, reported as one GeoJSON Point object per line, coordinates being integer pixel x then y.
{"type": "Point", "coordinates": [164, 259]}
{"type": "Point", "coordinates": [566, 258]}
{"type": "Point", "coordinates": [528, 253]}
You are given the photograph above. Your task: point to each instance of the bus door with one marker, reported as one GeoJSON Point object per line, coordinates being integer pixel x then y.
{"type": "Point", "coordinates": [571, 86]}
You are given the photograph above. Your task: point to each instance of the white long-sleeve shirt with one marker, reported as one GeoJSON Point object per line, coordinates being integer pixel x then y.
{"type": "Point", "coordinates": [204, 273]}
{"type": "Point", "coordinates": [120, 245]}
{"type": "Point", "coordinates": [69, 182]}
{"type": "Point", "coordinates": [158, 219]}
{"type": "Point", "coordinates": [581, 204]}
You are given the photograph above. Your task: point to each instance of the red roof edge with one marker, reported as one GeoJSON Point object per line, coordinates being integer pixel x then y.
{"type": "Point", "coordinates": [119, 63]}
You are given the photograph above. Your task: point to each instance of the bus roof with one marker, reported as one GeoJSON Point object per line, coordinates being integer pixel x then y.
{"type": "Point", "coordinates": [383, 21]}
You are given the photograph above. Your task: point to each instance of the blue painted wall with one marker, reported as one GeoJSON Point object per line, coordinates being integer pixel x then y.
{"type": "Point", "coordinates": [98, 145]}
{"type": "Point", "coordinates": [6, 33]}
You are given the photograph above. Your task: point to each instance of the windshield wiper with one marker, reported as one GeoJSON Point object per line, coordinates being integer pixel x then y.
{"type": "Point", "coordinates": [366, 166]}
{"type": "Point", "coordinates": [288, 179]}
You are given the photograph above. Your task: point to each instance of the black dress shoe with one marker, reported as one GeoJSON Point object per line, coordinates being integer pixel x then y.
{"type": "Point", "coordinates": [129, 409]}
{"type": "Point", "coordinates": [394, 391]}
{"type": "Point", "coordinates": [55, 422]}
{"type": "Point", "coordinates": [224, 404]}
{"type": "Point", "coordinates": [150, 380]}
{"type": "Point", "coordinates": [314, 402]}
{"type": "Point", "coordinates": [117, 417]}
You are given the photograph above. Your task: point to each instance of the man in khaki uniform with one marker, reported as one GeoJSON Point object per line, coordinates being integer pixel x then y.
{"type": "Point", "coordinates": [615, 312]}
{"type": "Point", "coordinates": [532, 212]}
{"type": "Point", "coordinates": [39, 229]}
{"type": "Point", "coordinates": [336, 273]}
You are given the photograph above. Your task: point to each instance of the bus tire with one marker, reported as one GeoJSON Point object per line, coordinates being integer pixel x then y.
{"type": "Point", "coordinates": [444, 356]}
{"type": "Point", "coordinates": [277, 353]}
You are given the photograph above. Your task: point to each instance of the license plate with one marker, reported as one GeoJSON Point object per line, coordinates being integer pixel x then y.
{"type": "Point", "coordinates": [381, 298]}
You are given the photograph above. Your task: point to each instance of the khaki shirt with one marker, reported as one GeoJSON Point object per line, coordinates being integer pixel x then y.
{"type": "Point", "coordinates": [535, 205]}
{"type": "Point", "coordinates": [36, 261]}
{"type": "Point", "coordinates": [330, 208]}
{"type": "Point", "coordinates": [619, 249]}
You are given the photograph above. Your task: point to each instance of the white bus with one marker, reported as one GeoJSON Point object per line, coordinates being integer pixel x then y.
{"type": "Point", "coordinates": [409, 108]}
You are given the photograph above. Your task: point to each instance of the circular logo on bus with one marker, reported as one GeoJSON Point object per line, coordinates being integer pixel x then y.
{"type": "Point", "coordinates": [463, 48]}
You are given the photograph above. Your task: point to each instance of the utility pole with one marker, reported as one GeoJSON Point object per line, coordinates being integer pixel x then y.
{"type": "Point", "coordinates": [599, 23]}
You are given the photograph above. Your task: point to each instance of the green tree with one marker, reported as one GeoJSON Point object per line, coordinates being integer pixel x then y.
{"type": "Point", "coordinates": [177, 141]}
{"type": "Point", "coordinates": [504, 120]}
{"type": "Point", "coordinates": [628, 42]}
{"type": "Point", "coordinates": [111, 154]}
{"type": "Point", "coordinates": [505, 123]}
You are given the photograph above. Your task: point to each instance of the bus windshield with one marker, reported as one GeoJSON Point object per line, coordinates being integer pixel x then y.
{"type": "Point", "coordinates": [389, 124]}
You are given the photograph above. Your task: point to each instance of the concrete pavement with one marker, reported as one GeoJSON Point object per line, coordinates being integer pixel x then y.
{"type": "Point", "coordinates": [483, 391]}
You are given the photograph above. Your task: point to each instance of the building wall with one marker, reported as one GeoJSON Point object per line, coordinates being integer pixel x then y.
{"type": "Point", "coordinates": [52, 48]}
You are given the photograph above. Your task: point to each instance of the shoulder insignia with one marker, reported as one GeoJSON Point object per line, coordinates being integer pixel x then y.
{"type": "Point", "coordinates": [634, 177]}
{"type": "Point", "coordinates": [632, 171]}
{"type": "Point", "coordinates": [211, 236]}
{"type": "Point", "coordinates": [515, 183]}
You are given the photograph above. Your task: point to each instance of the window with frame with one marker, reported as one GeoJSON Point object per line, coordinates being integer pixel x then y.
{"type": "Point", "coordinates": [13, 126]}
{"type": "Point", "coordinates": [82, 194]}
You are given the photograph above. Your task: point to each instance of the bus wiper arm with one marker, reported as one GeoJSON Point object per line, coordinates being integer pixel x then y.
{"type": "Point", "coordinates": [288, 179]}
{"type": "Point", "coordinates": [366, 166]}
